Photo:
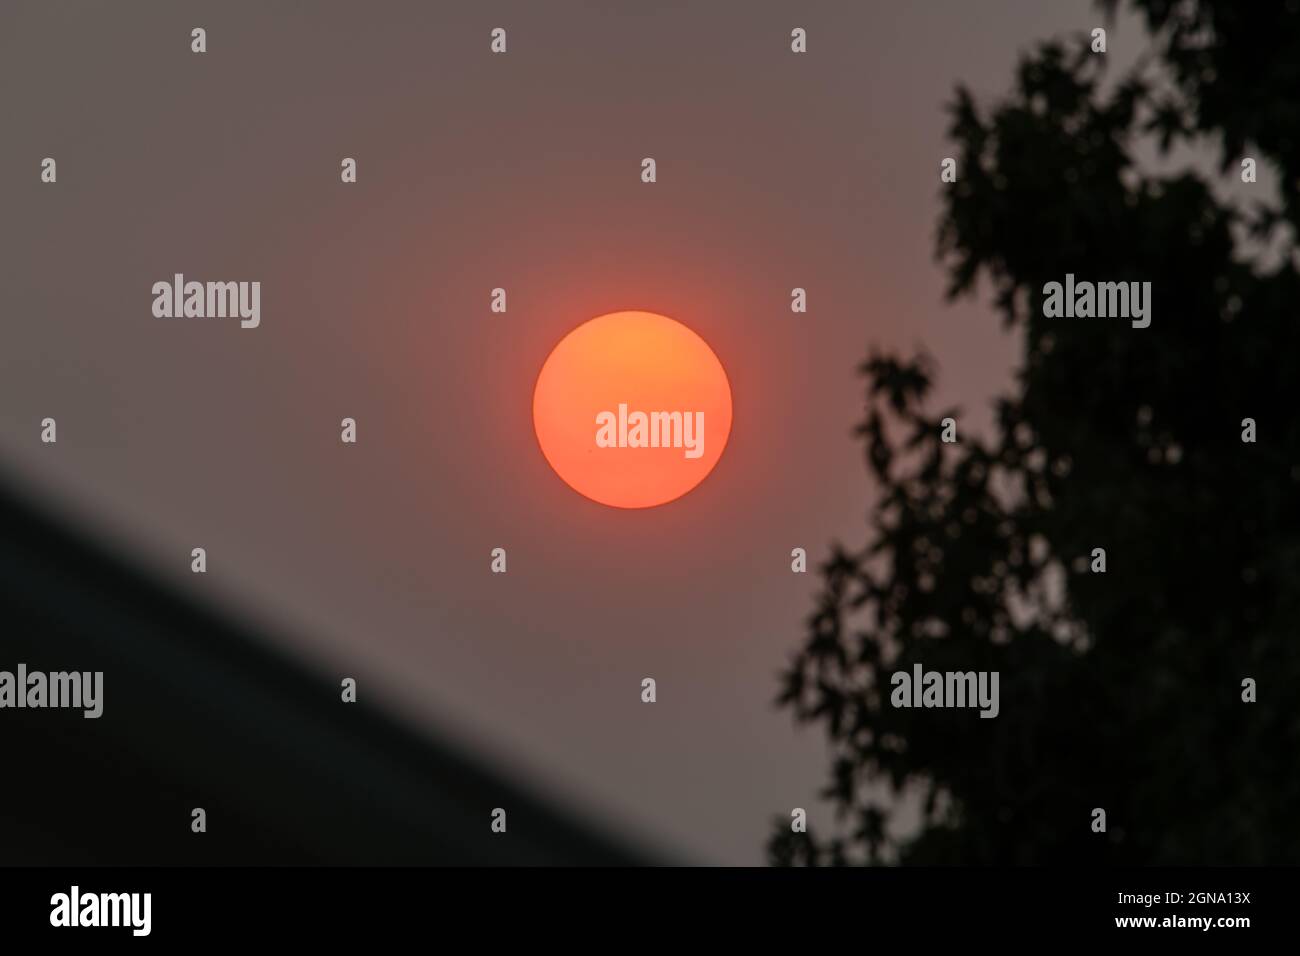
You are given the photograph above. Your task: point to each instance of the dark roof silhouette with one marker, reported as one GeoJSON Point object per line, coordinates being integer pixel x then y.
{"type": "Point", "coordinates": [198, 712]}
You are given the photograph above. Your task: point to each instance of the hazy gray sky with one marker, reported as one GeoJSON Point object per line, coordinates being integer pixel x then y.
{"type": "Point", "coordinates": [476, 171]}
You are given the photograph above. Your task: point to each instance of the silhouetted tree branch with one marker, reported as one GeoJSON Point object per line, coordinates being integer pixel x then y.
{"type": "Point", "coordinates": [1118, 690]}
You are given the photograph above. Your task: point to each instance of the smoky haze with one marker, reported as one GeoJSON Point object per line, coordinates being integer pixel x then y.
{"type": "Point", "coordinates": [475, 171]}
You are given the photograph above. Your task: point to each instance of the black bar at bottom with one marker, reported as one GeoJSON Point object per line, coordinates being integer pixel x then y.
{"type": "Point", "coordinates": [335, 905]}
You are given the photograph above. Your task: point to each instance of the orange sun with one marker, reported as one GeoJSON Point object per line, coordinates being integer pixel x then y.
{"type": "Point", "coordinates": [632, 409]}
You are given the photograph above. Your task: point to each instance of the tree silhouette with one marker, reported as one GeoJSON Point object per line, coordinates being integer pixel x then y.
{"type": "Point", "coordinates": [1120, 690]}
